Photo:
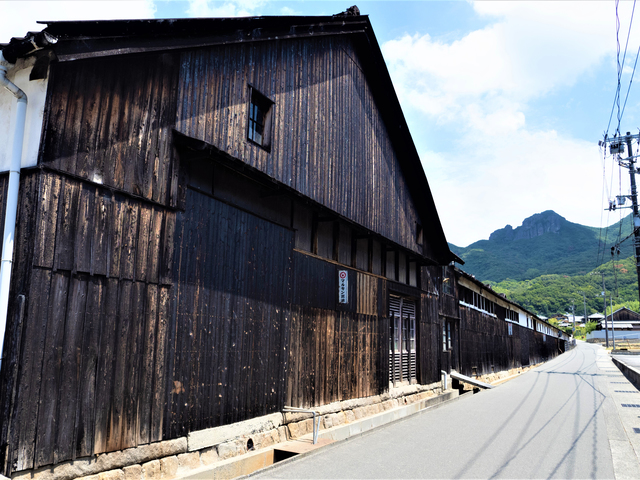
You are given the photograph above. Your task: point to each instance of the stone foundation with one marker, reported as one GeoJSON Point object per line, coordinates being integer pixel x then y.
{"type": "Point", "coordinates": [175, 458]}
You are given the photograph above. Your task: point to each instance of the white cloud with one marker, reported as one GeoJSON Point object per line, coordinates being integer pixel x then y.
{"type": "Point", "coordinates": [289, 11]}
{"type": "Point", "coordinates": [493, 183]}
{"type": "Point", "coordinates": [228, 8]}
{"type": "Point", "coordinates": [533, 48]}
{"type": "Point", "coordinates": [19, 17]}
{"type": "Point", "coordinates": [498, 169]}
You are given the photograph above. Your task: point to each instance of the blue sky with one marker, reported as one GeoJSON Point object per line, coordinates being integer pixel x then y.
{"type": "Point", "coordinates": [506, 101]}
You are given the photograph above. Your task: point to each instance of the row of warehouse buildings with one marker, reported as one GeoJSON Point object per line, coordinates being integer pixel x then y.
{"type": "Point", "coordinates": [218, 218]}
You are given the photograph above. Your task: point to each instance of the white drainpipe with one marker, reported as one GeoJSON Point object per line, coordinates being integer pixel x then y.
{"type": "Point", "coordinates": [12, 197]}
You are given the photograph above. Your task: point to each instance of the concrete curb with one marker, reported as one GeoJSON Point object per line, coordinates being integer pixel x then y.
{"type": "Point", "coordinates": [623, 445]}
{"type": "Point", "coordinates": [631, 373]}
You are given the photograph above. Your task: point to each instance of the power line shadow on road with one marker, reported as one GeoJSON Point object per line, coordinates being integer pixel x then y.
{"type": "Point", "coordinates": [584, 379]}
{"type": "Point", "coordinates": [493, 438]}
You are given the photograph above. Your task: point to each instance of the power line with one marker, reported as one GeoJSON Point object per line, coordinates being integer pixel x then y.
{"type": "Point", "coordinates": [616, 98]}
{"type": "Point", "coordinates": [600, 259]}
{"type": "Point", "coordinates": [605, 190]}
{"type": "Point", "coordinates": [624, 56]}
{"type": "Point", "coordinates": [629, 89]}
{"type": "Point", "coordinates": [620, 65]}
{"type": "Point", "coordinates": [604, 187]}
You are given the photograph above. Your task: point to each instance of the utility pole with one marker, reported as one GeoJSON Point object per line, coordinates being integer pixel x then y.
{"type": "Point", "coordinates": [573, 313]}
{"type": "Point", "coordinates": [606, 328]}
{"type": "Point", "coordinates": [616, 146]}
{"type": "Point", "coordinates": [584, 302]}
{"type": "Point", "coordinates": [613, 329]}
{"type": "Point", "coordinates": [634, 201]}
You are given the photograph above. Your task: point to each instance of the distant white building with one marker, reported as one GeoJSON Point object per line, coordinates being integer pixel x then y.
{"type": "Point", "coordinates": [622, 324]}
{"type": "Point", "coordinates": [595, 317]}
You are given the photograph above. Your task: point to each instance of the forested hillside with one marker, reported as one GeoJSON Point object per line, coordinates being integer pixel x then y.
{"type": "Point", "coordinates": [545, 244]}
{"type": "Point", "coordinates": [549, 295]}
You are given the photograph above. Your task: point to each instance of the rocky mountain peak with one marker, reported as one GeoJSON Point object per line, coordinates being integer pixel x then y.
{"type": "Point", "coordinates": [534, 226]}
{"type": "Point", "coordinates": [539, 224]}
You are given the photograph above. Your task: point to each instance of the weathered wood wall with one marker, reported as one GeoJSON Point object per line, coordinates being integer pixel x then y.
{"type": "Point", "coordinates": [544, 347]}
{"type": "Point", "coordinates": [91, 362]}
{"type": "Point", "coordinates": [430, 340]}
{"type": "Point", "coordinates": [334, 356]}
{"type": "Point", "coordinates": [622, 315]}
{"type": "Point", "coordinates": [92, 264]}
{"type": "Point", "coordinates": [127, 348]}
{"type": "Point", "coordinates": [329, 141]}
{"type": "Point", "coordinates": [109, 121]}
{"type": "Point", "coordinates": [486, 345]}
{"type": "Point", "coordinates": [336, 352]}
{"type": "Point", "coordinates": [229, 330]}
{"type": "Point", "coordinates": [90, 229]}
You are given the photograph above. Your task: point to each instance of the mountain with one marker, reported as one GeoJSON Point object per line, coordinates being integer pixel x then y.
{"type": "Point", "coordinates": [546, 243]}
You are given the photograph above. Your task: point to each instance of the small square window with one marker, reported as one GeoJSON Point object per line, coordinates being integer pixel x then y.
{"type": "Point", "coordinates": [260, 113]}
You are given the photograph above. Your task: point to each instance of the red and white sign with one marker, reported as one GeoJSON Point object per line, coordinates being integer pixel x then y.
{"type": "Point", "coordinates": [343, 286]}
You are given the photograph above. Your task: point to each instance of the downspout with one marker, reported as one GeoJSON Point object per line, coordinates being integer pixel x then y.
{"type": "Point", "coordinates": [12, 197]}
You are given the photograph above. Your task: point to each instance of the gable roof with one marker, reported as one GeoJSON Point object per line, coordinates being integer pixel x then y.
{"type": "Point", "coordinates": [625, 313]}
{"type": "Point", "coordinates": [89, 39]}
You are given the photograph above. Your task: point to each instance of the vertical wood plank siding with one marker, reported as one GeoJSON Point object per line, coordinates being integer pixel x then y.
{"type": "Point", "coordinates": [329, 141]}
{"type": "Point", "coordinates": [484, 342]}
{"type": "Point", "coordinates": [92, 329]}
{"type": "Point", "coordinates": [486, 345]}
{"type": "Point", "coordinates": [14, 371]}
{"type": "Point", "coordinates": [335, 352]}
{"type": "Point", "coordinates": [429, 340]}
{"type": "Point", "coordinates": [109, 121]}
{"type": "Point", "coordinates": [229, 331]}
{"type": "Point", "coordinates": [85, 228]}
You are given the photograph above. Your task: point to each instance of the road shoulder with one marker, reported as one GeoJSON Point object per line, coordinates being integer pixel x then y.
{"type": "Point", "coordinates": [620, 420]}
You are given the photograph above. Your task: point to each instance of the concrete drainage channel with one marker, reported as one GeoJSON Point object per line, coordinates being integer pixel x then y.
{"type": "Point", "coordinates": [288, 451]}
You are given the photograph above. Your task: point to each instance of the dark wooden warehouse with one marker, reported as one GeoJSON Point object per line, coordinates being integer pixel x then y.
{"type": "Point", "coordinates": [227, 217]}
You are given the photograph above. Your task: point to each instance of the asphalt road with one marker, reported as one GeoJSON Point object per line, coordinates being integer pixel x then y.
{"type": "Point", "coordinates": [550, 422]}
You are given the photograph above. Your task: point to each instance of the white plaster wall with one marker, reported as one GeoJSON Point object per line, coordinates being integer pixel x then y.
{"type": "Point", "coordinates": [522, 320]}
{"type": "Point", "coordinates": [36, 91]}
